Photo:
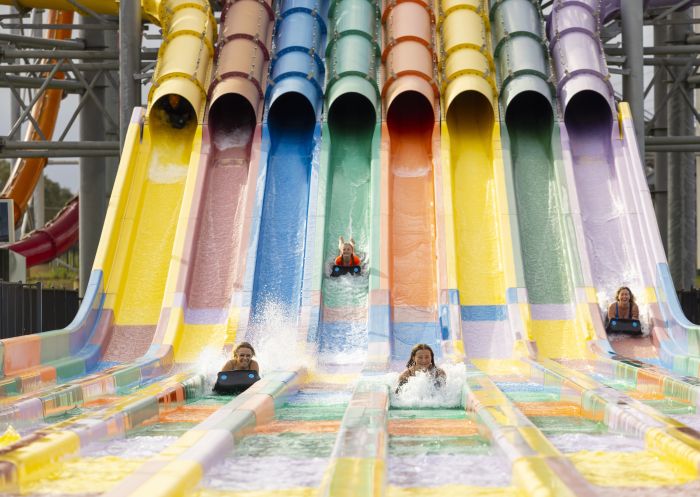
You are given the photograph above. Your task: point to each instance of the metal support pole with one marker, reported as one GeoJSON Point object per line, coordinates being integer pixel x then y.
{"type": "Point", "coordinates": [129, 62]}
{"type": "Point", "coordinates": [112, 130]}
{"type": "Point", "coordinates": [14, 103]}
{"type": "Point", "coordinates": [92, 169]}
{"type": "Point", "coordinates": [660, 129]}
{"type": "Point", "coordinates": [633, 79]}
{"type": "Point", "coordinates": [682, 175]}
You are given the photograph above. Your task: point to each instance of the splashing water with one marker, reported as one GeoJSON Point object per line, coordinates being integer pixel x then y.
{"type": "Point", "coordinates": [166, 165]}
{"type": "Point", "coordinates": [274, 334]}
{"type": "Point", "coordinates": [209, 363]}
{"type": "Point", "coordinates": [420, 389]}
{"type": "Point", "coordinates": [234, 137]}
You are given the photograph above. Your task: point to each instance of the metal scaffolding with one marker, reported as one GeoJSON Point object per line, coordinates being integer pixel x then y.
{"type": "Point", "coordinates": [102, 66]}
{"type": "Point", "coordinates": [666, 130]}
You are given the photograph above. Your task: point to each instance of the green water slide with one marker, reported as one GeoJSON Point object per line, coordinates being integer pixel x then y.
{"type": "Point", "coordinates": [536, 175]}
{"type": "Point", "coordinates": [349, 174]}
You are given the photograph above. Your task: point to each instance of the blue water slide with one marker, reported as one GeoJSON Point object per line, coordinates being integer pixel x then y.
{"type": "Point", "coordinates": [294, 101]}
{"type": "Point", "coordinates": [300, 41]}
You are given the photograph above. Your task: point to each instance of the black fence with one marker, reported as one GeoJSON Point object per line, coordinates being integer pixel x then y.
{"type": "Point", "coordinates": [690, 302]}
{"type": "Point", "coordinates": [28, 308]}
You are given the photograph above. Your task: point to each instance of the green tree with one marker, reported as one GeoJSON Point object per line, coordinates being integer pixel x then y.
{"type": "Point", "coordinates": [55, 196]}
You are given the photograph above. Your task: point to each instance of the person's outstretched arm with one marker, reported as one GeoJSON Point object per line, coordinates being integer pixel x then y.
{"type": "Point", "coordinates": [229, 366]}
{"type": "Point", "coordinates": [254, 366]}
{"type": "Point", "coordinates": [635, 312]}
{"type": "Point", "coordinates": [611, 311]}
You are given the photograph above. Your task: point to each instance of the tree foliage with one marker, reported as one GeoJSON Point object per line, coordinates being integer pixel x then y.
{"type": "Point", "coordinates": [55, 196]}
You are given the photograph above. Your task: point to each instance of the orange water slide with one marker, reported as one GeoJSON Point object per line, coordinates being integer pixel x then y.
{"type": "Point", "coordinates": [410, 95]}
{"type": "Point", "coordinates": [27, 172]}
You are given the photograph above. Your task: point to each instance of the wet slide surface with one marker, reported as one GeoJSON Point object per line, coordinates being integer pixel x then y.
{"type": "Point", "coordinates": [162, 165]}
{"type": "Point", "coordinates": [218, 237]}
{"type": "Point", "coordinates": [479, 266]}
{"type": "Point", "coordinates": [548, 276]}
{"type": "Point", "coordinates": [612, 261]}
{"type": "Point", "coordinates": [539, 211]}
{"type": "Point", "coordinates": [279, 266]}
{"type": "Point", "coordinates": [351, 125]}
{"type": "Point", "coordinates": [413, 296]}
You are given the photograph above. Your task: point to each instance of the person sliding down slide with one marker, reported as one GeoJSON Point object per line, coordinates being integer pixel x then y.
{"type": "Point", "coordinates": [347, 261]}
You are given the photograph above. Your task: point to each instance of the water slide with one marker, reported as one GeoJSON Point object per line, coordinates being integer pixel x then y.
{"type": "Point", "coordinates": [122, 306]}
{"type": "Point", "coordinates": [349, 173]}
{"type": "Point", "coordinates": [479, 247]}
{"type": "Point", "coordinates": [312, 432]}
{"type": "Point", "coordinates": [55, 238]}
{"type": "Point", "coordinates": [61, 233]}
{"type": "Point", "coordinates": [411, 139]}
{"type": "Point", "coordinates": [290, 149]}
{"type": "Point", "coordinates": [617, 236]}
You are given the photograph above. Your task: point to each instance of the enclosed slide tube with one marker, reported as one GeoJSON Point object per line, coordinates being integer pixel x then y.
{"type": "Point", "coordinates": [479, 252]}
{"type": "Point", "coordinates": [409, 313]}
{"type": "Point", "coordinates": [207, 281]}
{"type": "Point", "coordinates": [349, 174]}
{"type": "Point", "coordinates": [618, 239]}
{"type": "Point", "coordinates": [535, 171]}
{"type": "Point", "coordinates": [289, 150]}
{"type": "Point", "coordinates": [55, 238]}
{"type": "Point", "coordinates": [118, 316]}
{"type": "Point", "coordinates": [27, 172]}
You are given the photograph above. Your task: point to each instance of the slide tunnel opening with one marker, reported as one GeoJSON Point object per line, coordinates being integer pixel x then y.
{"type": "Point", "coordinates": [351, 112]}
{"type": "Point", "coordinates": [174, 110]}
{"type": "Point", "coordinates": [291, 111]}
{"type": "Point", "coordinates": [232, 121]}
{"type": "Point", "coordinates": [532, 109]}
{"type": "Point", "coordinates": [588, 111]}
{"type": "Point", "coordinates": [410, 111]}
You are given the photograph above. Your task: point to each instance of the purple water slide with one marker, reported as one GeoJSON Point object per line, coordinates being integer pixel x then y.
{"type": "Point", "coordinates": [618, 237]}
{"type": "Point", "coordinates": [591, 146]}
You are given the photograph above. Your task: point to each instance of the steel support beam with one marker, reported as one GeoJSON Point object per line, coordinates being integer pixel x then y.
{"type": "Point", "coordinates": [112, 130]}
{"type": "Point", "coordinates": [633, 77]}
{"type": "Point", "coordinates": [662, 50]}
{"type": "Point", "coordinates": [49, 145]}
{"type": "Point", "coordinates": [92, 169]}
{"type": "Point", "coordinates": [674, 140]}
{"type": "Point", "coordinates": [660, 130]}
{"type": "Point", "coordinates": [31, 42]}
{"type": "Point", "coordinates": [681, 178]}
{"type": "Point", "coordinates": [129, 62]}
{"type": "Point", "coordinates": [107, 152]}
{"type": "Point", "coordinates": [16, 53]}
{"type": "Point", "coordinates": [85, 66]}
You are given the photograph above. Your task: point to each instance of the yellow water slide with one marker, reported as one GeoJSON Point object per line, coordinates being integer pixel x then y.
{"type": "Point", "coordinates": [478, 236]}
{"type": "Point", "coordinates": [138, 235]}
{"type": "Point", "coordinates": [161, 151]}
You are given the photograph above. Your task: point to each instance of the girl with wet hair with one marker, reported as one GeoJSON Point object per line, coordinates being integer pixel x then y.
{"type": "Point", "coordinates": [347, 255]}
{"type": "Point", "coordinates": [422, 359]}
{"type": "Point", "coordinates": [242, 359]}
{"type": "Point", "coordinates": [625, 306]}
